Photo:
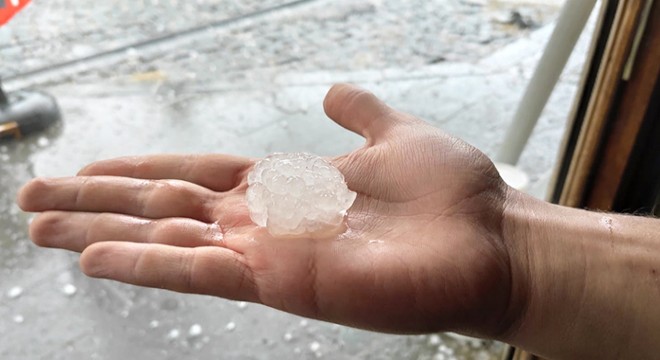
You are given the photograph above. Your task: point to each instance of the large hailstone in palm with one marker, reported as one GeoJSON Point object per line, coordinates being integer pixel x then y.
{"type": "Point", "coordinates": [297, 194]}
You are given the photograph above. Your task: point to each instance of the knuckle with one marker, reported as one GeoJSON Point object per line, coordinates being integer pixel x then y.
{"type": "Point", "coordinates": [137, 166]}
{"type": "Point", "coordinates": [142, 265]}
{"type": "Point", "coordinates": [164, 230]}
{"type": "Point", "coordinates": [187, 271]}
{"type": "Point", "coordinates": [169, 198]}
{"type": "Point", "coordinates": [86, 186]}
{"type": "Point", "coordinates": [156, 196]}
{"type": "Point", "coordinates": [97, 227]}
{"type": "Point", "coordinates": [167, 189]}
{"type": "Point", "coordinates": [245, 283]}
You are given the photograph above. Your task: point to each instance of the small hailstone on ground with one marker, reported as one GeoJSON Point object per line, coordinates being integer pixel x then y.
{"type": "Point", "coordinates": [14, 292]}
{"type": "Point", "coordinates": [314, 346]}
{"type": "Point", "coordinates": [230, 326]}
{"type": "Point", "coordinates": [296, 193]}
{"type": "Point", "coordinates": [43, 141]}
{"type": "Point", "coordinates": [195, 330]}
{"type": "Point", "coordinates": [69, 289]}
{"type": "Point", "coordinates": [173, 334]}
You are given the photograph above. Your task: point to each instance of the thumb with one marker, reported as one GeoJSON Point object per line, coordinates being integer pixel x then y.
{"type": "Point", "coordinates": [359, 111]}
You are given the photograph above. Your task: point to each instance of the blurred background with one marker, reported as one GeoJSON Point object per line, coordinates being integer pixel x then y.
{"type": "Point", "coordinates": [247, 78]}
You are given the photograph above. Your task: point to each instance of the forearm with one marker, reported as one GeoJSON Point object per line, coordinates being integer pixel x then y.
{"type": "Point", "coordinates": [588, 282]}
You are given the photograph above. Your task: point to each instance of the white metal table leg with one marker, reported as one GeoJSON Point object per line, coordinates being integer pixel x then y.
{"type": "Point", "coordinates": [571, 22]}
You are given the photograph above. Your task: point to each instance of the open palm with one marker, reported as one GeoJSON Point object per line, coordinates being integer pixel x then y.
{"type": "Point", "coordinates": [423, 248]}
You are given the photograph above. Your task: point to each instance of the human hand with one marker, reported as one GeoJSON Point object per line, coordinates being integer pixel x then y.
{"type": "Point", "coordinates": [423, 250]}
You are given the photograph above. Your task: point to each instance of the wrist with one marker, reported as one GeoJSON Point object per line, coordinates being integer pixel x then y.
{"type": "Point", "coordinates": [549, 272]}
{"type": "Point", "coordinates": [580, 280]}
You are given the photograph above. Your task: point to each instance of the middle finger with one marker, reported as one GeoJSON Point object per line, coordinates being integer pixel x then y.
{"type": "Point", "coordinates": [145, 198]}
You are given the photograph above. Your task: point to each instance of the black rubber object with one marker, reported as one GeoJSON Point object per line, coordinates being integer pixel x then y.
{"type": "Point", "coordinates": [26, 111]}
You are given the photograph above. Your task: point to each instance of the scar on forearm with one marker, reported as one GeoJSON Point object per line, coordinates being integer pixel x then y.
{"type": "Point", "coordinates": [607, 222]}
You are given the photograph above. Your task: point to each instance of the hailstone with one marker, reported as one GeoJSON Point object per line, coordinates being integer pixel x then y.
{"type": "Point", "coordinates": [296, 194]}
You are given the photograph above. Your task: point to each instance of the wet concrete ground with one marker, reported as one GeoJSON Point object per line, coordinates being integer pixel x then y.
{"type": "Point", "coordinates": [254, 103]}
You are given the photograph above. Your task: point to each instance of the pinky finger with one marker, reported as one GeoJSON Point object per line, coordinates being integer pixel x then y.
{"type": "Point", "coordinates": [203, 270]}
